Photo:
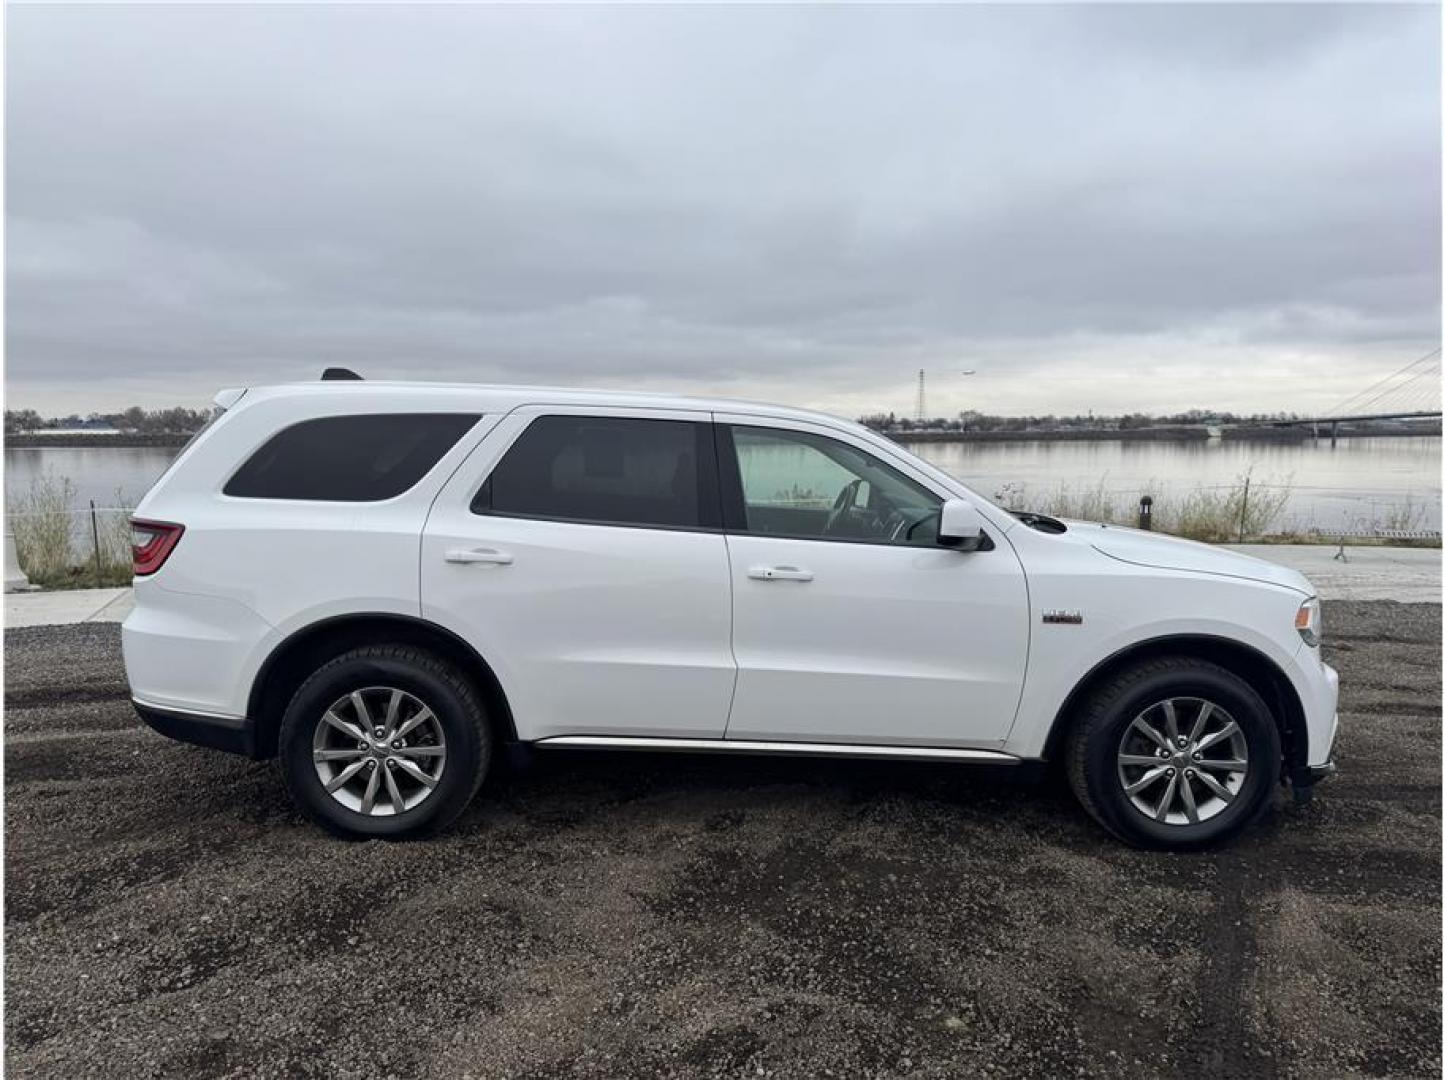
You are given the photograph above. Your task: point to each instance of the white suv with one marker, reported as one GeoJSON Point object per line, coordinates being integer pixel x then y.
{"type": "Point", "coordinates": [382, 582]}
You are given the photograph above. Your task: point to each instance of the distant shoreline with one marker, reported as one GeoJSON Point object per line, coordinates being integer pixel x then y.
{"type": "Point", "coordinates": [1263, 433]}
{"type": "Point", "coordinates": [131, 441]}
{"type": "Point", "coordinates": [1169, 434]}
{"type": "Point", "coordinates": [1180, 433]}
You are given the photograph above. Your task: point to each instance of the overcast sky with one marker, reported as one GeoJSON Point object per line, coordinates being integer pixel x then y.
{"type": "Point", "coordinates": [1107, 208]}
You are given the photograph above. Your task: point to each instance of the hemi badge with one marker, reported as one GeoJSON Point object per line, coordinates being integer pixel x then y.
{"type": "Point", "coordinates": [1057, 615]}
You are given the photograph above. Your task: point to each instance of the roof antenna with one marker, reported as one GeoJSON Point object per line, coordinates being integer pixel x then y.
{"type": "Point", "coordinates": [334, 373]}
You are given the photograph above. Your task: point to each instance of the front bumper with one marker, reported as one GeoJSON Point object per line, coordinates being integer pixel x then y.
{"type": "Point", "coordinates": [1304, 778]}
{"type": "Point", "coordinates": [235, 735]}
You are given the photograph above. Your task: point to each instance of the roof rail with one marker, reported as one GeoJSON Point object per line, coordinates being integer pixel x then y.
{"type": "Point", "coordinates": [334, 373]}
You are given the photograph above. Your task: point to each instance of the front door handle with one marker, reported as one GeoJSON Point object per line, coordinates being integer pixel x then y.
{"type": "Point", "coordinates": [779, 573]}
{"type": "Point", "coordinates": [479, 555]}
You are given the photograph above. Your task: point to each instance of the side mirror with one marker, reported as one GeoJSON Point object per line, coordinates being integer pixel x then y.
{"type": "Point", "coordinates": [960, 526]}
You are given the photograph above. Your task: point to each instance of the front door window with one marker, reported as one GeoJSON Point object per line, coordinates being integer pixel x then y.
{"type": "Point", "coordinates": [806, 486]}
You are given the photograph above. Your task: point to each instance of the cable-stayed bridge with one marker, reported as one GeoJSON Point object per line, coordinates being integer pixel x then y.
{"type": "Point", "coordinates": [1411, 393]}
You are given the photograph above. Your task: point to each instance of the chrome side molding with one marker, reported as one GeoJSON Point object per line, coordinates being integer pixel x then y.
{"type": "Point", "coordinates": [786, 749]}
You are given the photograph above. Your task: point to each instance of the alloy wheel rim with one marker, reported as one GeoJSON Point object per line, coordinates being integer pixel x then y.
{"type": "Point", "coordinates": [379, 751]}
{"type": "Point", "coordinates": [1182, 761]}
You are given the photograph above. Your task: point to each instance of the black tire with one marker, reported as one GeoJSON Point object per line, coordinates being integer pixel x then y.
{"type": "Point", "coordinates": [1096, 738]}
{"type": "Point", "coordinates": [449, 695]}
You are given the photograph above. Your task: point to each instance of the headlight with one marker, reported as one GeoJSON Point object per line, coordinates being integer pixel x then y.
{"type": "Point", "coordinates": [1309, 621]}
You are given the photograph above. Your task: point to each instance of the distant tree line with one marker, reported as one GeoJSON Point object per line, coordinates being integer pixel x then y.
{"type": "Point", "coordinates": [174, 421]}
{"type": "Point", "coordinates": [183, 421]}
{"type": "Point", "coordinates": [972, 420]}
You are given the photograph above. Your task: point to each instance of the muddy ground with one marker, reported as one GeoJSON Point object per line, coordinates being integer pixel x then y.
{"type": "Point", "coordinates": [167, 913]}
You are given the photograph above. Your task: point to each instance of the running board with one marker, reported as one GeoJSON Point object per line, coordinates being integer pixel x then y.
{"type": "Point", "coordinates": [786, 749]}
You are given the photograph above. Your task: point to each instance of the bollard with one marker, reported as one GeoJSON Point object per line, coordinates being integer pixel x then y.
{"type": "Point", "coordinates": [15, 579]}
{"type": "Point", "coordinates": [1145, 512]}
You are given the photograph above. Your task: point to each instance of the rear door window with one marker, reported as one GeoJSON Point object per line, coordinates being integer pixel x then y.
{"type": "Point", "coordinates": [607, 470]}
{"type": "Point", "coordinates": [356, 458]}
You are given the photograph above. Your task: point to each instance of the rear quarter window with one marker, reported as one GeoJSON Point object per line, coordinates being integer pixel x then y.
{"type": "Point", "coordinates": [357, 458]}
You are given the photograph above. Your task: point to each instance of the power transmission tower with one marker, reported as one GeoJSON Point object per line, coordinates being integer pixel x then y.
{"type": "Point", "coordinates": [922, 396]}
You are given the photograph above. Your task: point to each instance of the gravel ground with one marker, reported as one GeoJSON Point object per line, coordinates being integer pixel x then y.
{"type": "Point", "coordinates": [167, 913]}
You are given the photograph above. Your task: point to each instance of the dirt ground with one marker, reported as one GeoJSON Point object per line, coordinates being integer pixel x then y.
{"type": "Point", "coordinates": [167, 913]}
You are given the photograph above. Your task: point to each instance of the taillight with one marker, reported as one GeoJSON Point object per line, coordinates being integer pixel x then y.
{"type": "Point", "coordinates": [151, 543]}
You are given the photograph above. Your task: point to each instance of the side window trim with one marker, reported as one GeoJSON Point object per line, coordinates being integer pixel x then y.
{"type": "Point", "coordinates": [734, 504]}
{"type": "Point", "coordinates": [709, 499]}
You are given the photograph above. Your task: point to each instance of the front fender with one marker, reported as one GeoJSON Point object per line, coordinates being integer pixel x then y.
{"type": "Point", "coordinates": [1116, 619]}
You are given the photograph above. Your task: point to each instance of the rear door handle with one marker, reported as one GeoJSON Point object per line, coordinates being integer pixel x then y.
{"type": "Point", "coordinates": [779, 573]}
{"type": "Point", "coordinates": [479, 555]}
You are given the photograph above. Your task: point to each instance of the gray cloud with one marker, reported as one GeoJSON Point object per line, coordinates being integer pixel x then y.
{"type": "Point", "coordinates": [1099, 207]}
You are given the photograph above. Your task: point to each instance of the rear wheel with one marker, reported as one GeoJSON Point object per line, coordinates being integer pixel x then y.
{"type": "Point", "coordinates": [1174, 753]}
{"type": "Point", "coordinates": [384, 741]}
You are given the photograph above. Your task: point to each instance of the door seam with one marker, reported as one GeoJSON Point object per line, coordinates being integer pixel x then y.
{"type": "Point", "coordinates": [731, 634]}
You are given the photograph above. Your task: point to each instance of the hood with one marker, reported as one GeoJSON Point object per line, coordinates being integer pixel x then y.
{"type": "Point", "coordinates": [1170, 553]}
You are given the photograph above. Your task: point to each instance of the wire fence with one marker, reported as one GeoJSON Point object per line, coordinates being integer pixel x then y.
{"type": "Point", "coordinates": [57, 546]}
{"type": "Point", "coordinates": [84, 511]}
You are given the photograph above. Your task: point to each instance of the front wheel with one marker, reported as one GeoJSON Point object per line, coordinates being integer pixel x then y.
{"type": "Point", "coordinates": [1174, 753]}
{"type": "Point", "coordinates": [384, 741]}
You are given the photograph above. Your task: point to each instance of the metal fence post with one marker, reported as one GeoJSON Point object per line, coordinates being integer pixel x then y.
{"type": "Point", "coordinates": [1243, 510]}
{"type": "Point", "coordinates": [95, 537]}
{"type": "Point", "coordinates": [1145, 512]}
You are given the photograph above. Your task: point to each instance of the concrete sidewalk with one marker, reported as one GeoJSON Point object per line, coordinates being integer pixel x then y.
{"type": "Point", "coordinates": [67, 606]}
{"type": "Point", "coordinates": [1409, 575]}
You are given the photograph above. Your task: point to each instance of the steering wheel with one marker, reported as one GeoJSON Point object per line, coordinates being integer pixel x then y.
{"type": "Point", "coordinates": [846, 499]}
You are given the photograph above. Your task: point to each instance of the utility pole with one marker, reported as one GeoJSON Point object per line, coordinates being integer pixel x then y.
{"type": "Point", "coordinates": [920, 413]}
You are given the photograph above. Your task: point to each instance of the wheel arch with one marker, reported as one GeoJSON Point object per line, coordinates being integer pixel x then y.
{"type": "Point", "coordinates": [1253, 666]}
{"type": "Point", "coordinates": [295, 658]}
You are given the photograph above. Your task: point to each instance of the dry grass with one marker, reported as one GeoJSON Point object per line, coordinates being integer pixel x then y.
{"type": "Point", "coordinates": [1241, 511]}
{"type": "Point", "coordinates": [1407, 516]}
{"type": "Point", "coordinates": [114, 529]}
{"type": "Point", "coordinates": [55, 543]}
{"type": "Point", "coordinates": [41, 522]}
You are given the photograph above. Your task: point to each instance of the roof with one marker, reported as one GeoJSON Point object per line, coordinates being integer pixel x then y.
{"type": "Point", "coordinates": [494, 397]}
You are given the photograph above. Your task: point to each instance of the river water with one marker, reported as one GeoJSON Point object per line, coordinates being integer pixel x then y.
{"type": "Point", "coordinates": [1353, 485]}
